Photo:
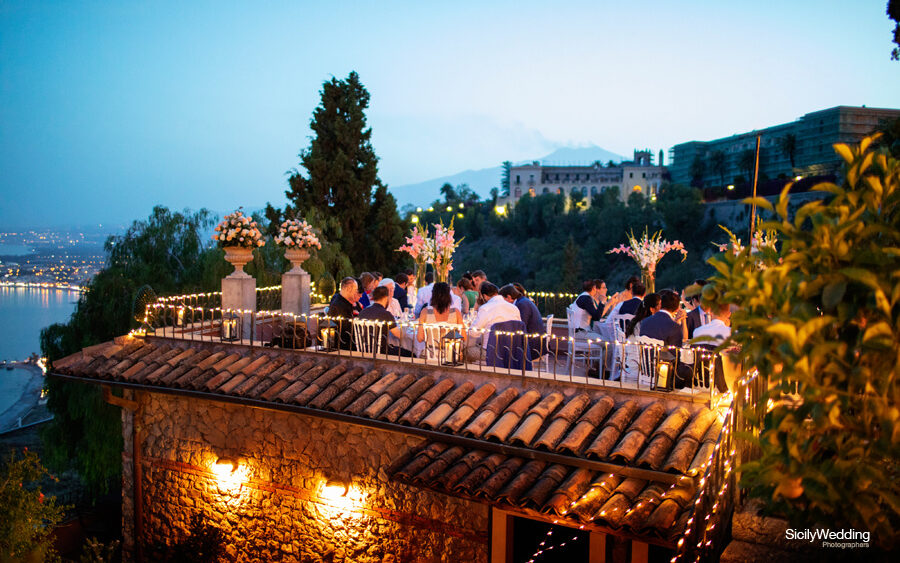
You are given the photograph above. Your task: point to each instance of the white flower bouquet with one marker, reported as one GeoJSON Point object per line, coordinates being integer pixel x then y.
{"type": "Point", "coordinates": [237, 229]}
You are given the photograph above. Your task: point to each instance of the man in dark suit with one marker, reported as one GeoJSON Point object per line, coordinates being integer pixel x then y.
{"type": "Point", "coordinates": [664, 326]}
{"type": "Point", "coordinates": [401, 282]}
{"type": "Point", "coordinates": [630, 307]}
{"type": "Point", "coordinates": [697, 317]}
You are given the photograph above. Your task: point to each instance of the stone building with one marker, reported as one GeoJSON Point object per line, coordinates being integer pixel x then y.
{"type": "Point", "coordinates": [638, 175]}
{"type": "Point", "coordinates": [306, 456]}
{"type": "Point", "coordinates": [813, 136]}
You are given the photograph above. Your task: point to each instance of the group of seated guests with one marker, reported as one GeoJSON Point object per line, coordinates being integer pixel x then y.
{"type": "Point", "coordinates": [697, 316]}
{"type": "Point", "coordinates": [372, 297]}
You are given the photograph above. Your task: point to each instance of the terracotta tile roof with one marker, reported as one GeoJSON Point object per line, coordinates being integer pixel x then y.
{"type": "Point", "coordinates": [630, 432]}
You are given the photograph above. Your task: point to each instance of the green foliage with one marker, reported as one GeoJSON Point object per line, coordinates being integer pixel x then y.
{"type": "Point", "coordinates": [531, 244]}
{"type": "Point", "coordinates": [166, 252]}
{"type": "Point", "coordinates": [96, 551]}
{"type": "Point", "coordinates": [204, 543]}
{"type": "Point", "coordinates": [893, 12]}
{"type": "Point", "coordinates": [821, 319]}
{"type": "Point", "coordinates": [27, 517]}
{"type": "Point", "coordinates": [353, 209]}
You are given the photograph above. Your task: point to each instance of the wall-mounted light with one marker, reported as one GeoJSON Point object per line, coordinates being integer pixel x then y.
{"type": "Point", "coordinates": [224, 467]}
{"type": "Point", "coordinates": [335, 489]}
{"type": "Point", "coordinates": [414, 219]}
{"type": "Point", "coordinates": [730, 187]}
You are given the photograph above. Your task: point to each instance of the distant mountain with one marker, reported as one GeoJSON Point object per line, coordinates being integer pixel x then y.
{"type": "Point", "coordinates": [423, 193]}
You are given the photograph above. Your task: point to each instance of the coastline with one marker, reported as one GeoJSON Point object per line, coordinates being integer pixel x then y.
{"type": "Point", "coordinates": [26, 393]}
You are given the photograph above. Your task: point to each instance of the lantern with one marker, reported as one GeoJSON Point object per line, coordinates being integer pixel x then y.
{"type": "Point", "coordinates": [328, 335]}
{"type": "Point", "coordinates": [451, 348]}
{"type": "Point", "coordinates": [179, 315]}
{"type": "Point", "coordinates": [231, 327]}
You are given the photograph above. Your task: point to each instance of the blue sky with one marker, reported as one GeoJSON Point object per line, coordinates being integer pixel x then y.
{"type": "Point", "coordinates": [109, 108]}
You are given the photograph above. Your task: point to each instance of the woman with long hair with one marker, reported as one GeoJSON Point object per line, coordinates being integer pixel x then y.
{"type": "Point", "coordinates": [649, 306]}
{"type": "Point", "coordinates": [440, 310]}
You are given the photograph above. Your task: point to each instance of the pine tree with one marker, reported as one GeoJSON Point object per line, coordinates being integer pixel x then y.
{"type": "Point", "coordinates": [341, 182]}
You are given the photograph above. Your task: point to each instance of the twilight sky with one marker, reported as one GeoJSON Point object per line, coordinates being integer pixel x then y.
{"type": "Point", "coordinates": [108, 108]}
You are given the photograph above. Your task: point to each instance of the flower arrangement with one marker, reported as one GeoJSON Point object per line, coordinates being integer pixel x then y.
{"type": "Point", "coordinates": [647, 251]}
{"type": "Point", "coordinates": [237, 229]}
{"type": "Point", "coordinates": [441, 249]}
{"type": "Point", "coordinates": [417, 247]}
{"type": "Point", "coordinates": [761, 240]}
{"type": "Point", "coordinates": [297, 234]}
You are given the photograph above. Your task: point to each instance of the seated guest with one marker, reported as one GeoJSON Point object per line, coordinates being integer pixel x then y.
{"type": "Point", "coordinates": [478, 277]}
{"type": "Point", "coordinates": [400, 294]}
{"type": "Point", "coordinates": [343, 306]}
{"type": "Point", "coordinates": [378, 311]}
{"type": "Point", "coordinates": [624, 295]}
{"type": "Point", "coordinates": [458, 291]}
{"type": "Point", "coordinates": [393, 305]}
{"type": "Point", "coordinates": [439, 310]}
{"type": "Point", "coordinates": [357, 299]}
{"type": "Point", "coordinates": [587, 306]}
{"type": "Point", "coordinates": [648, 307]}
{"type": "Point", "coordinates": [465, 283]}
{"type": "Point", "coordinates": [366, 283]}
{"type": "Point", "coordinates": [718, 329]}
{"type": "Point", "coordinates": [665, 325]}
{"type": "Point", "coordinates": [423, 297]}
{"type": "Point", "coordinates": [697, 316]}
{"type": "Point", "coordinates": [494, 310]}
{"type": "Point", "coordinates": [529, 312]}
{"type": "Point", "coordinates": [630, 306]}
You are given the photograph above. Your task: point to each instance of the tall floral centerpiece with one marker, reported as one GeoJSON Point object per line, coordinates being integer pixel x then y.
{"type": "Point", "coordinates": [441, 249]}
{"type": "Point", "coordinates": [238, 234]}
{"type": "Point", "coordinates": [762, 245]}
{"type": "Point", "coordinates": [416, 246]}
{"type": "Point", "coordinates": [647, 251]}
{"type": "Point", "coordinates": [297, 237]}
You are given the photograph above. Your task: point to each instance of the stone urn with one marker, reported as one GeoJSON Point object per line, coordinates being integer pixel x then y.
{"type": "Point", "coordinates": [238, 256]}
{"type": "Point", "coordinates": [297, 256]}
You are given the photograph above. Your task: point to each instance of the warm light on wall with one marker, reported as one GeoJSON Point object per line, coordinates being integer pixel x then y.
{"type": "Point", "coordinates": [230, 474]}
{"type": "Point", "coordinates": [341, 495]}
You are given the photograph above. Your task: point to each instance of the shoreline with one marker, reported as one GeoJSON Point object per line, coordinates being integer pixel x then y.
{"type": "Point", "coordinates": [29, 394]}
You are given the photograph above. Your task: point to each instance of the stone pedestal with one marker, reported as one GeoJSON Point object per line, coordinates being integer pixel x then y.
{"type": "Point", "coordinates": [295, 284]}
{"type": "Point", "coordinates": [295, 289]}
{"type": "Point", "coordinates": [239, 293]}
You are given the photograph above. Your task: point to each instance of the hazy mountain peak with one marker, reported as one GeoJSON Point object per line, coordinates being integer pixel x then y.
{"type": "Point", "coordinates": [422, 193]}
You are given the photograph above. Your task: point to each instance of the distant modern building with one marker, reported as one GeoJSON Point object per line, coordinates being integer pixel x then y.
{"type": "Point", "coordinates": [730, 159]}
{"type": "Point", "coordinates": [639, 175]}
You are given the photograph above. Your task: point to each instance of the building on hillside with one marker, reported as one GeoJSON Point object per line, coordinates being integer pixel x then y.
{"type": "Point", "coordinates": [799, 148]}
{"type": "Point", "coordinates": [638, 175]}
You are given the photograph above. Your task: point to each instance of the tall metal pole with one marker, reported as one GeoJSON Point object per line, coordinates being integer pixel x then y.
{"type": "Point", "coordinates": [755, 179]}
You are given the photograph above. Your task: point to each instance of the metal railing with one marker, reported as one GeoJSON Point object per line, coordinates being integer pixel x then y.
{"type": "Point", "coordinates": [706, 532]}
{"type": "Point", "coordinates": [547, 357]}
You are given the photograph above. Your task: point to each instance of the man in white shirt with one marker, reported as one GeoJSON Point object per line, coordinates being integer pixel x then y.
{"type": "Point", "coordinates": [423, 297]}
{"type": "Point", "coordinates": [496, 309]}
{"type": "Point", "coordinates": [716, 330]}
{"type": "Point", "coordinates": [393, 306]}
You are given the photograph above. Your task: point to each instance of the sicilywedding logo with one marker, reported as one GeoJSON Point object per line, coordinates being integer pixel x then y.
{"type": "Point", "coordinates": [844, 539]}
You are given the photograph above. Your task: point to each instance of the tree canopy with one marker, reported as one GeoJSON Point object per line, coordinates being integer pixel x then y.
{"type": "Point", "coordinates": [340, 192]}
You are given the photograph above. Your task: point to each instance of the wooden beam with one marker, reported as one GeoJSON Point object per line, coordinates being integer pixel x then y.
{"type": "Point", "coordinates": [597, 548]}
{"type": "Point", "coordinates": [118, 401]}
{"type": "Point", "coordinates": [501, 536]}
{"type": "Point", "coordinates": [639, 552]}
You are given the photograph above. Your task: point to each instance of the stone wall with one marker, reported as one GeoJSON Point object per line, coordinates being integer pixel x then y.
{"type": "Point", "coordinates": [273, 507]}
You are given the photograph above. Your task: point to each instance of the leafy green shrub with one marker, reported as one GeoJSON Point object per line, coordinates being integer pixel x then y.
{"type": "Point", "coordinates": [27, 517]}
{"type": "Point", "coordinates": [820, 318]}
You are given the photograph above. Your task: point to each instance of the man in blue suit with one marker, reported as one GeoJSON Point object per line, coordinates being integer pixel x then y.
{"type": "Point", "coordinates": [666, 325]}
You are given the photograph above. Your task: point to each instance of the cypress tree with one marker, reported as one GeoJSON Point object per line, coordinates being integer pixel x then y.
{"type": "Point", "coordinates": [341, 182]}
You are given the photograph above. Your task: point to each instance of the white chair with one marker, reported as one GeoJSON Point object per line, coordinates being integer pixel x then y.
{"type": "Point", "coordinates": [649, 364]}
{"type": "Point", "coordinates": [620, 321]}
{"type": "Point", "coordinates": [433, 333]}
{"type": "Point", "coordinates": [367, 336]}
{"type": "Point", "coordinates": [578, 345]}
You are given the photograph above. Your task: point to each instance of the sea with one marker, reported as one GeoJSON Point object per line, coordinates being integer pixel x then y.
{"type": "Point", "coordinates": [24, 311]}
